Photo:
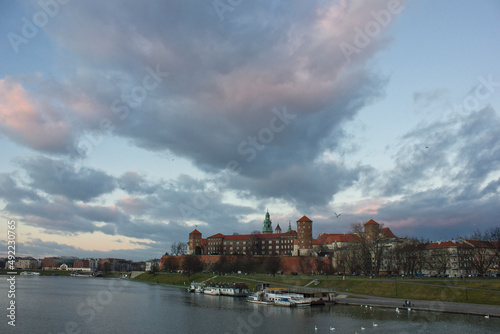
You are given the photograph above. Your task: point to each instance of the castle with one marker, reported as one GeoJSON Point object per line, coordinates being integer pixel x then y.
{"type": "Point", "coordinates": [268, 243]}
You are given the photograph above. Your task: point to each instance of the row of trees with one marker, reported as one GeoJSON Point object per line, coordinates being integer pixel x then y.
{"type": "Point", "coordinates": [371, 254]}
{"type": "Point", "coordinates": [191, 264]}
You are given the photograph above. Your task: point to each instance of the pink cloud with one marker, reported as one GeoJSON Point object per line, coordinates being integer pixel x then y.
{"type": "Point", "coordinates": [30, 122]}
{"type": "Point", "coordinates": [133, 205]}
{"type": "Point", "coordinates": [365, 207]}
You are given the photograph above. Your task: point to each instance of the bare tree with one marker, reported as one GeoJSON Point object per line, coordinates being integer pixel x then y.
{"type": "Point", "coordinates": [371, 246]}
{"type": "Point", "coordinates": [223, 265]}
{"type": "Point", "coordinates": [170, 264]}
{"type": "Point", "coordinates": [155, 267]}
{"type": "Point", "coordinates": [178, 248]}
{"type": "Point", "coordinates": [406, 257]}
{"type": "Point", "coordinates": [255, 244]}
{"type": "Point", "coordinates": [305, 265]}
{"type": "Point", "coordinates": [438, 260]}
{"type": "Point", "coordinates": [272, 265]}
{"type": "Point", "coordinates": [192, 264]}
{"type": "Point", "coordinates": [480, 252]}
{"type": "Point", "coordinates": [181, 248]}
{"type": "Point", "coordinates": [173, 249]}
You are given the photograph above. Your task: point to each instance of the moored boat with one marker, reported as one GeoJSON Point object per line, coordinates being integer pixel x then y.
{"type": "Point", "coordinates": [284, 301]}
{"type": "Point", "coordinates": [280, 297]}
{"type": "Point", "coordinates": [196, 287]}
{"type": "Point", "coordinates": [29, 273]}
{"type": "Point", "coordinates": [211, 290]}
{"type": "Point", "coordinates": [259, 298]}
{"type": "Point", "coordinates": [81, 274]}
{"type": "Point", "coordinates": [237, 289]}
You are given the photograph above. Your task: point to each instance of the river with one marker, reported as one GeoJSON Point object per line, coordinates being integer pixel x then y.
{"type": "Point", "coordinates": [100, 305]}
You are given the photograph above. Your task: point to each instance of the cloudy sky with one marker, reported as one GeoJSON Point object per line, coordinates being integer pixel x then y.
{"type": "Point", "coordinates": [125, 124]}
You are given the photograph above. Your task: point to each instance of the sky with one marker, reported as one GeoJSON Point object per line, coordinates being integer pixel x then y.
{"type": "Point", "coordinates": [124, 125]}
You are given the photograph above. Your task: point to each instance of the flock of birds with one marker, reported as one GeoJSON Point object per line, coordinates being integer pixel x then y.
{"type": "Point", "coordinates": [333, 328]}
{"type": "Point", "coordinates": [375, 324]}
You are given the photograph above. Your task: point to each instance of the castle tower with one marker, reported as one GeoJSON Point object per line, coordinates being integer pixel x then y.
{"type": "Point", "coordinates": [304, 233]}
{"type": "Point", "coordinates": [268, 224]}
{"type": "Point", "coordinates": [372, 228]}
{"type": "Point", "coordinates": [194, 244]}
{"type": "Point", "coordinates": [277, 229]}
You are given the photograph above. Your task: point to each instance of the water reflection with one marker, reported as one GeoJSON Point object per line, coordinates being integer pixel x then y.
{"type": "Point", "coordinates": [49, 304]}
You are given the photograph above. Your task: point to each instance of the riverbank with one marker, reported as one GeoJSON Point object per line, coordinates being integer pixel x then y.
{"type": "Point", "coordinates": [419, 305]}
{"type": "Point", "coordinates": [347, 298]}
{"type": "Point", "coordinates": [472, 291]}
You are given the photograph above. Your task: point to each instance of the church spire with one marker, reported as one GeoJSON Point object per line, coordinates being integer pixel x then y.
{"type": "Point", "coordinates": [289, 226]}
{"type": "Point", "coordinates": [268, 224]}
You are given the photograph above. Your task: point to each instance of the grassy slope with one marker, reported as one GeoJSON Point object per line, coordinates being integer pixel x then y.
{"type": "Point", "coordinates": [427, 289]}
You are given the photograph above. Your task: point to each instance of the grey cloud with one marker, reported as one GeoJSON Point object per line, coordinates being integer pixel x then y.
{"type": "Point", "coordinates": [12, 192]}
{"type": "Point", "coordinates": [463, 153]}
{"type": "Point", "coordinates": [133, 182]}
{"type": "Point", "coordinates": [225, 77]}
{"type": "Point", "coordinates": [424, 99]}
{"type": "Point", "coordinates": [57, 177]}
{"type": "Point", "coordinates": [305, 185]}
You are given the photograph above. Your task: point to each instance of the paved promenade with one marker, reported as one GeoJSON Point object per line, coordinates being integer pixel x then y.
{"type": "Point", "coordinates": [423, 305]}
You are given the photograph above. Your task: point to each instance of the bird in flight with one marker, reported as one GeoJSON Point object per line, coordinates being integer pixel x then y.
{"type": "Point", "coordinates": [337, 215]}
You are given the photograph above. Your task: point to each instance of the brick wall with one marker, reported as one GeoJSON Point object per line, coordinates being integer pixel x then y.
{"type": "Point", "coordinates": [290, 264]}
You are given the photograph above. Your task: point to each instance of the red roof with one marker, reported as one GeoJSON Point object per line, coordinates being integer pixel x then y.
{"type": "Point", "coordinates": [387, 233]}
{"type": "Point", "coordinates": [195, 232]}
{"type": "Point", "coordinates": [249, 236]}
{"type": "Point", "coordinates": [304, 219]}
{"type": "Point", "coordinates": [447, 244]}
{"type": "Point", "coordinates": [481, 243]}
{"type": "Point", "coordinates": [371, 222]}
{"type": "Point", "coordinates": [218, 235]}
{"type": "Point", "coordinates": [330, 238]}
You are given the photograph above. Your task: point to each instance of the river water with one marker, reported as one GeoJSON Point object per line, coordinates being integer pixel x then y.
{"type": "Point", "coordinates": [100, 305]}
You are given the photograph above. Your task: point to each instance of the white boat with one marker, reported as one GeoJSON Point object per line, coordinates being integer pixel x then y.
{"type": "Point", "coordinates": [279, 297]}
{"type": "Point", "coordinates": [284, 301]}
{"type": "Point", "coordinates": [80, 274]}
{"type": "Point", "coordinates": [196, 287]}
{"type": "Point", "coordinates": [300, 300]}
{"type": "Point", "coordinates": [29, 273]}
{"type": "Point", "coordinates": [211, 290]}
{"type": "Point", "coordinates": [259, 298]}
{"type": "Point", "coordinates": [236, 290]}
